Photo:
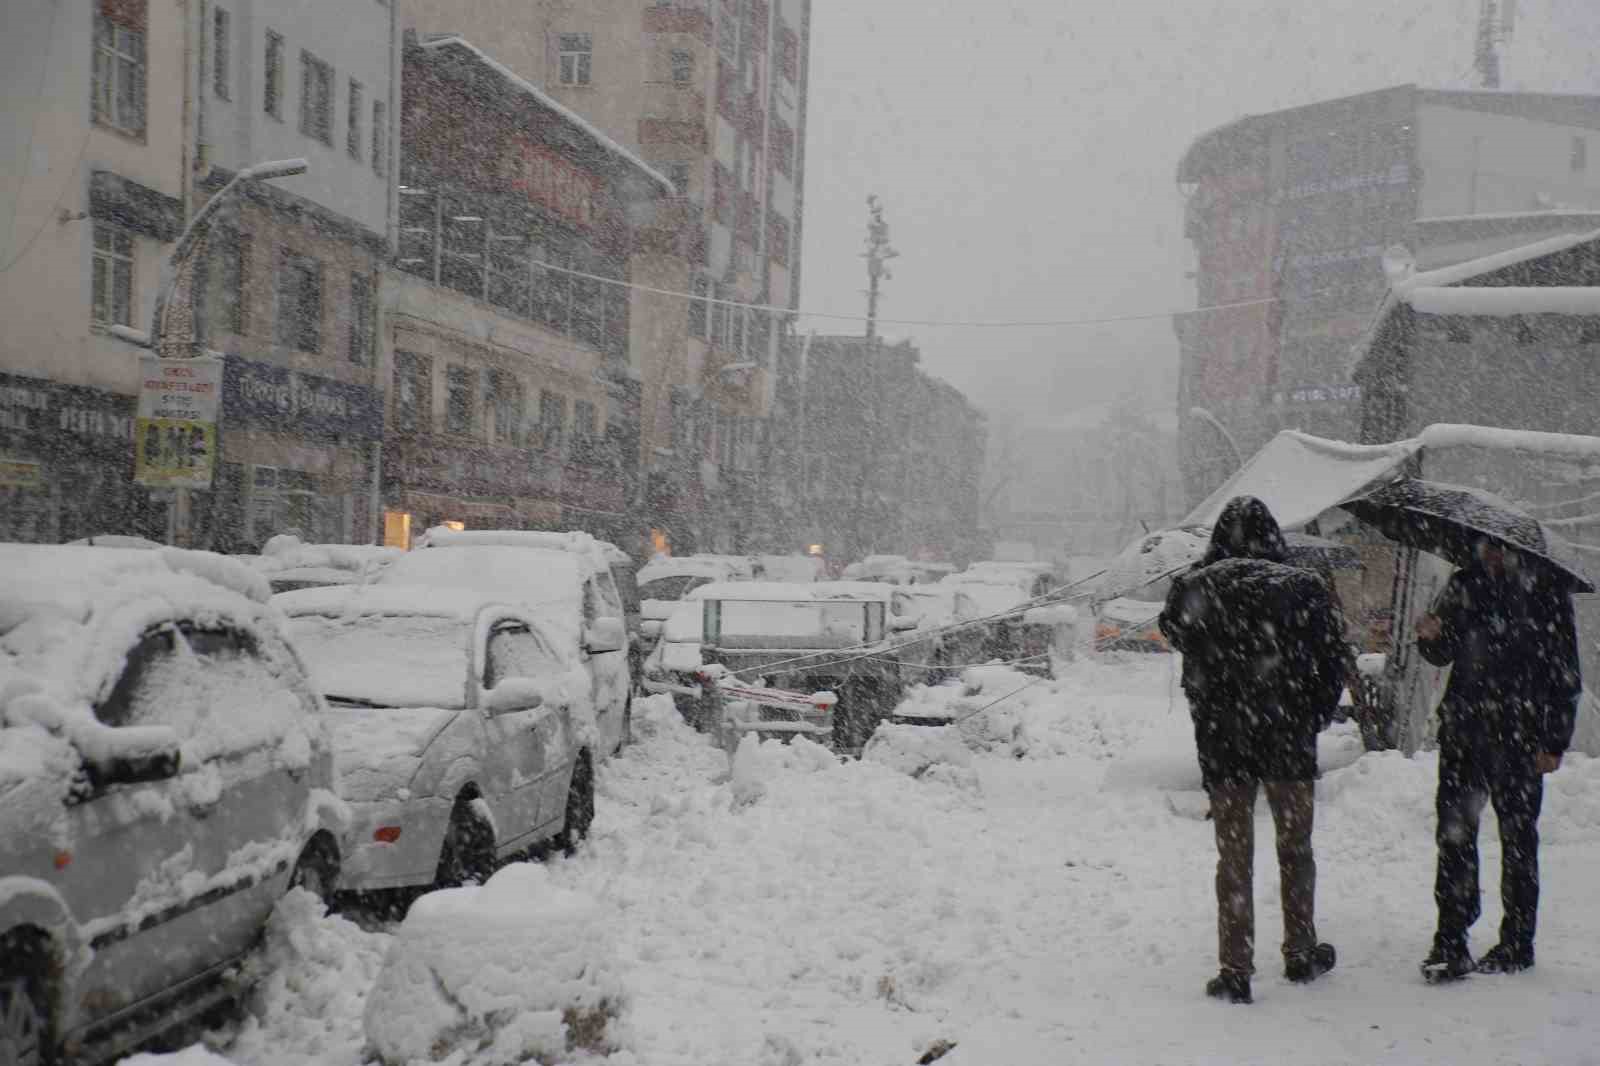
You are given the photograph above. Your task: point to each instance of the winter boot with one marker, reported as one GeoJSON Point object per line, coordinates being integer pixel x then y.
{"type": "Point", "coordinates": [1502, 958]}
{"type": "Point", "coordinates": [1448, 961]}
{"type": "Point", "coordinates": [1230, 985]}
{"type": "Point", "coordinates": [1305, 966]}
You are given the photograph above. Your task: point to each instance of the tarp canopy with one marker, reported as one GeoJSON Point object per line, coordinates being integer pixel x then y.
{"type": "Point", "coordinates": [1299, 476]}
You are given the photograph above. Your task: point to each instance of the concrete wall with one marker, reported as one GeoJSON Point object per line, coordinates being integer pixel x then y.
{"type": "Point", "coordinates": [48, 150]}
{"type": "Point", "coordinates": [355, 37]}
{"type": "Point", "coordinates": [1478, 163]}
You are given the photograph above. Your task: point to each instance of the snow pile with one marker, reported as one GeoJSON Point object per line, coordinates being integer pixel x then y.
{"type": "Point", "coordinates": [196, 1055]}
{"type": "Point", "coordinates": [931, 753]}
{"type": "Point", "coordinates": [514, 970]}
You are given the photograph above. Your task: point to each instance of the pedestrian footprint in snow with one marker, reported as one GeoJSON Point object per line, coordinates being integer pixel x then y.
{"type": "Point", "coordinates": [1262, 668]}
{"type": "Point", "coordinates": [1505, 625]}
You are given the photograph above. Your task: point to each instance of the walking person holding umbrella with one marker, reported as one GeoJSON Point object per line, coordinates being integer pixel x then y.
{"type": "Point", "coordinates": [1504, 624]}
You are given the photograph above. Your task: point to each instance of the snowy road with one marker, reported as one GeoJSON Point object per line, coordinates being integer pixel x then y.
{"type": "Point", "coordinates": [1043, 905]}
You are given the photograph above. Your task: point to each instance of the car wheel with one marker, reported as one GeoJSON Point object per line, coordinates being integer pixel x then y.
{"type": "Point", "coordinates": [24, 1022]}
{"type": "Point", "coordinates": [580, 806]}
{"type": "Point", "coordinates": [317, 869]}
{"type": "Point", "coordinates": [468, 850]}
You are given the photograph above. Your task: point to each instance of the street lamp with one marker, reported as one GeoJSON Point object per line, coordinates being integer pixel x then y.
{"type": "Point", "coordinates": [1211, 420]}
{"type": "Point", "coordinates": [181, 250]}
{"type": "Point", "coordinates": [196, 229]}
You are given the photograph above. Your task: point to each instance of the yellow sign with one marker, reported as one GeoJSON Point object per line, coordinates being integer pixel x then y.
{"type": "Point", "coordinates": [175, 434]}
{"type": "Point", "coordinates": [21, 474]}
{"type": "Point", "coordinates": [174, 453]}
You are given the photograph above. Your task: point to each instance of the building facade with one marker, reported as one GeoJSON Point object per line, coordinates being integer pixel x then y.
{"type": "Point", "coordinates": [887, 459]}
{"type": "Point", "coordinates": [711, 93]}
{"type": "Point", "coordinates": [513, 396]}
{"type": "Point", "coordinates": [1291, 214]}
{"type": "Point", "coordinates": [95, 177]}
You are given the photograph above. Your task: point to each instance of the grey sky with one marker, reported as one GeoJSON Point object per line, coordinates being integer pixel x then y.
{"type": "Point", "coordinates": [1025, 150]}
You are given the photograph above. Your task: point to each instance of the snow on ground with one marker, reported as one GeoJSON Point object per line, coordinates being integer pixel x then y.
{"type": "Point", "coordinates": [1044, 903]}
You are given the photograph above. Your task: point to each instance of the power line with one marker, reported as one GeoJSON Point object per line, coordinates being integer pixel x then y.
{"type": "Point", "coordinates": [964, 323]}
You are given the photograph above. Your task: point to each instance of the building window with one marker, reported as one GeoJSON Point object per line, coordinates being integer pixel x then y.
{"type": "Point", "coordinates": [552, 419]}
{"type": "Point", "coordinates": [299, 319]}
{"type": "Point", "coordinates": [585, 424]}
{"type": "Point", "coordinates": [112, 276]}
{"type": "Point", "coordinates": [577, 53]}
{"type": "Point", "coordinates": [413, 392]}
{"type": "Point", "coordinates": [505, 401]}
{"type": "Point", "coordinates": [778, 239]}
{"type": "Point", "coordinates": [316, 98]}
{"type": "Point", "coordinates": [678, 174]}
{"type": "Point", "coordinates": [789, 53]}
{"type": "Point", "coordinates": [119, 87]}
{"type": "Point", "coordinates": [458, 400]}
{"type": "Point", "coordinates": [352, 135]}
{"type": "Point", "coordinates": [228, 253]}
{"type": "Point", "coordinates": [1580, 154]}
{"type": "Point", "coordinates": [380, 138]}
{"type": "Point", "coordinates": [221, 42]}
{"type": "Point", "coordinates": [272, 93]}
{"type": "Point", "coordinates": [361, 319]}
{"type": "Point", "coordinates": [700, 286]}
{"type": "Point", "coordinates": [682, 67]}
{"type": "Point", "coordinates": [783, 147]}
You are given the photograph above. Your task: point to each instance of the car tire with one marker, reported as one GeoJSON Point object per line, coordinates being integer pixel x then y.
{"type": "Point", "coordinates": [24, 1019]}
{"type": "Point", "coordinates": [467, 854]}
{"type": "Point", "coordinates": [317, 869]}
{"type": "Point", "coordinates": [580, 806]}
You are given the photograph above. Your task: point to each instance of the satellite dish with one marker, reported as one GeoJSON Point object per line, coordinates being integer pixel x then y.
{"type": "Point", "coordinates": [1398, 263]}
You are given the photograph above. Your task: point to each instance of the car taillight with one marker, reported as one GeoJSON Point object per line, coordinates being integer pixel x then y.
{"type": "Point", "coordinates": [386, 834]}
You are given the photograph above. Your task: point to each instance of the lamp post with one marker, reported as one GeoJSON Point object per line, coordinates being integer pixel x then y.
{"type": "Point", "coordinates": [191, 236]}
{"type": "Point", "coordinates": [1211, 420]}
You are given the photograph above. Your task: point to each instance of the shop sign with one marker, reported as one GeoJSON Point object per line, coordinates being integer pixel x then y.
{"type": "Point", "coordinates": [21, 473]}
{"type": "Point", "coordinates": [549, 180]}
{"type": "Point", "coordinates": [47, 413]}
{"type": "Point", "coordinates": [297, 403]}
{"type": "Point", "coordinates": [175, 434]}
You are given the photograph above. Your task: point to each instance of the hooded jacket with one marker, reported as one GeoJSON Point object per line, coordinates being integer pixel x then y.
{"type": "Point", "coordinates": [1262, 647]}
{"type": "Point", "coordinates": [1512, 644]}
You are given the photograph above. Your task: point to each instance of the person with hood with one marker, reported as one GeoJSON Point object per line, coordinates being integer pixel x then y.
{"type": "Point", "coordinates": [1505, 626]}
{"type": "Point", "coordinates": [1262, 668]}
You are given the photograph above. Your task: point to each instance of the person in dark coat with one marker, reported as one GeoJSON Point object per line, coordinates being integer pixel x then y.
{"type": "Point", "coordinates": [1262, 668]}
{"type": "Point", "coordinates": [1505, 626]}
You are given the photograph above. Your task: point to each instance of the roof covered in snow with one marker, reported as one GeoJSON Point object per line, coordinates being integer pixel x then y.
{"type": "Point", "coordinates": [422, 601]}
{"type": "Point", "coordinates": [599, 553]}
{"type": "Point", "coordinates": [778, 591]}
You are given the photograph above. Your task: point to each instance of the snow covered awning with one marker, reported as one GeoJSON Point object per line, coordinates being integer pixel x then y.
{"type": "Point", "coordinates": [1504, 300]}
{"type": "Point", "coordinates": [1299, 476]}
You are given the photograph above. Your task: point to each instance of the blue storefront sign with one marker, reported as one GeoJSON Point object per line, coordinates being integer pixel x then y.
{"type": "Point", "coordinates": [294, 401]}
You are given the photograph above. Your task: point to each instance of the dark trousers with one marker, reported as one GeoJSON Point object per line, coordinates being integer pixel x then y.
{"type": "Point", "coordinates": [1233, 815]}
{"type": "Point", "coordinates": [1467, 778]}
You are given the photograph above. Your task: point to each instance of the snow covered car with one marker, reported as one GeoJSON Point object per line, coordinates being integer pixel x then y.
{"type": "Point", "coordinates": [833, 636]}
{"type": "Point", "coordinates": [165, 777]}
{"type": "Point", "coordinates": [1128, 600]}
{"type": "Point", "coordinates": [289, 563]}
{"type": "Point", "coordinates": [463, 733]}
{"type": "Point", "coordinates": [1011, 631]}
{"type": "Point", "coordinates": [665, 582]}
{"type": "Point", "coordinates": [1032, 579]}
{"type": "Point", "coordinates": [570, 591]}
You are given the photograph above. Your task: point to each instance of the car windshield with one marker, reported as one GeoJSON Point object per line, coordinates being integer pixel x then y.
{"type": "Point", "coordinates": [386, 660]}
{"type": "Point", "coordinates": [671, 588]}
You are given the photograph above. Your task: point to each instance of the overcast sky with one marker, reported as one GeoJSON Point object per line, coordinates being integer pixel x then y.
{"type": "Point", "coordinates": [1026, 152]}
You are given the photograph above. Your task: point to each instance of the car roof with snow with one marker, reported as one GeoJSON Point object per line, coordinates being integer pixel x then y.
{"type": "Point", "coordinates": [685, 566]}
{"type": "Point", "coordinates": [421, 601]}
{"type": "Point", "coordinates": [601, 554]}
{"type": "Point", "coordinates": [540, 578]}
{"type": "Point", "coordinates": [285, 552]}
{"type": "Point", "coordinates": [781, 591]}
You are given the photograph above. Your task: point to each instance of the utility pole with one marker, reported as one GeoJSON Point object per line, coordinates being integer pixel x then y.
{"type": "Point", "coordinates": [877, 254]}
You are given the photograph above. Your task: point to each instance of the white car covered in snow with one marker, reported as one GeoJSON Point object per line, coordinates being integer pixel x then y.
{"type": "Point", "coordinates": [165, 777]}
{"type": "Point", "coordinates": [569, 591]}
{"type": "Point", "coordinates": [463, 731]}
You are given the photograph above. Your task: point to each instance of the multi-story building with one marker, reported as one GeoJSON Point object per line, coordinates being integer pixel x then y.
{"type": "Point", "coordinates": [711, 93]}
{"type": "Point", "coordinates": [290, 270]}
{"type": "Point", "coordinates": [93, 158]}
{"type": "Point", "coordinates": [514, 401]}
{"type": "Point", "coordinates": [1291, 214]}
{"type": "Point", "coordinates": [889, 458]}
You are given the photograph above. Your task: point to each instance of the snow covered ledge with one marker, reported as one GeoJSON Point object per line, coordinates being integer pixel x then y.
{"type": "Point", "coordinates": [518, 970]}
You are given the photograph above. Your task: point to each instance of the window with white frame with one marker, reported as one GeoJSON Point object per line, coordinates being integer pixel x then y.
{"type": "Point", "coordinates": [576, 58]}
{"type": "Point", "coordinates": [316, 98]}
{"type": "Point", "coordinates": [112, 276]}
{"type": "Point", "coordinates": [119, 75]}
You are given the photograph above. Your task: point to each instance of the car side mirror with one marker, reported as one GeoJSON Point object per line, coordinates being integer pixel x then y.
{"type": "Point", "coordinates": [513, 694]}
{"type": "Point", "coordinates": [604, 635]}
{"type": "Point", "coordinates": [130, 755]}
